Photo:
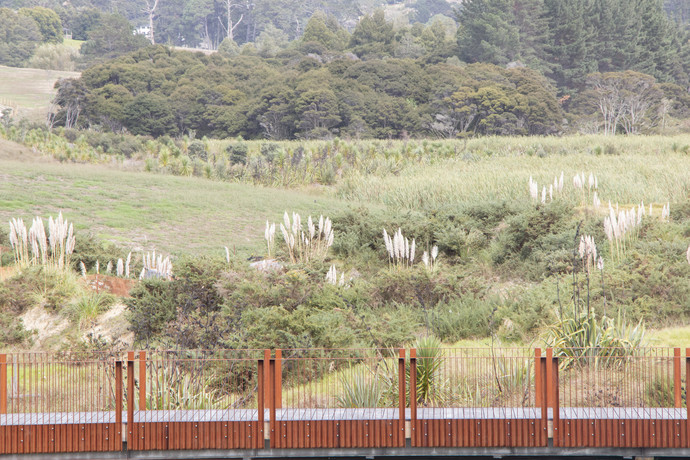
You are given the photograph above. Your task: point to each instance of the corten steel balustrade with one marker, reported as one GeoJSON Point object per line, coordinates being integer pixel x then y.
{"type": "Point", "coordinates": [477, 398]}
{"type": "Point", "coordinates": [619, 398]}
{"type": "Point", "coordinates": [339, 399]}
{"type": "Point", "coordinates": [191, 400]}
{"type": "Point", "coordinates": [343, 399]}
{"type": "Point", "coordinates": [60, 402]}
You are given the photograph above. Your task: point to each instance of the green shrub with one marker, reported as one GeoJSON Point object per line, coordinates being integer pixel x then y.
{"type": "Point", "coordinates": [237, 153]}
{"type": "Point", "coordinates": [197, 149]}
{"type": "Point", "coordinates": [389, 326]}
{"type": "Point", "coordinates": [461, 318]}
{"type": "Point", "coordinates": [89, 249]}
{"type": "Point", "coordinates": [151, 306]}
{"type": "Point", "coordinates": [536, 242]}
{"type": "Point", "coordinates": [12, 332]}
{"type": "Point", "coordinates": [300, 328]}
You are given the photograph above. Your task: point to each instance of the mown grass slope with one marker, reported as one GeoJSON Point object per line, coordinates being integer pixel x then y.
{"type": "Point", "coordinates": [147, 211]}
{"type": "Point", "coordinates": [30, 90]}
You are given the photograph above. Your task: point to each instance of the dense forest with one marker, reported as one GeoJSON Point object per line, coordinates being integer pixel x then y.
{"type": "Point", "coordinates": [319, 69]}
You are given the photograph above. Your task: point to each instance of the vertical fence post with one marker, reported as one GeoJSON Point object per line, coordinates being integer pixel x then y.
{"type": "Point", "coordinates": [142, 380]}
{"type": "Point", "coordinates": [401, 397]}
{"type": "Point", "coordinates": [267, 376]}
{"type": "Point", "coordinates": [538, 396]}
{"type": "Point", "coordinates": [413, 396]}
{"type": "Point", "coordinates": [279, 379]}
{"type": "Point", "coordinates": [130, 402]}
{"type": "Point", "coordinates": [259, 439]}
{"type": "Point", "coordinates": [552, 393]}
{"type": "Point", "coordinates": [541, 395]}
{"type": "Point", "coordinates": [274, 437]}
{"type": "Point", "coordinates": [118, 401]}
{"type": "Point", "coordinates": [3, 383]}
{"type": "Point", "coordinates": [687, 397]}
{"type": "Point", "coordinates": [676, 379]}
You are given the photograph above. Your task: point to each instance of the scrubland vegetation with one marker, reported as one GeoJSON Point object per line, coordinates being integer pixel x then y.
{"type": "Point", "coordinates": [508, 267]}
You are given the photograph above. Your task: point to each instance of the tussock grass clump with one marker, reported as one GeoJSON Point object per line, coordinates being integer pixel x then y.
{"type": "Point", "coordinates": [332, 277]}
{"type": "Point", "coordinates": [156, 267]}
{"type": "Point", "coordinates": [622, 227]}
{"type": "Point", "coordinates": [87, 308]}
{"type": "Point", "coordinates": [33, 247]}
{"type": "Point", "coordinates": [269, 236]}
{"type": "Point", "coordinates": [429, 259]}
{"type": "Point", "coordinates": [400, 251]}
{"type": "Point", "coordinates": [312, 244]}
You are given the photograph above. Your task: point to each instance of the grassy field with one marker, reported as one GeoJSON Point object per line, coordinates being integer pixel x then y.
{"type": "Point", "coordinates": [29, 90]}
{"type": "Point", "coordinates": [147, 211]}
{"type": "Point", "coordinates": [182, 214]}
{"type": "Point", "coordinates": [653, 169]}
{"type": "Point", "coordinates": [73, 43]}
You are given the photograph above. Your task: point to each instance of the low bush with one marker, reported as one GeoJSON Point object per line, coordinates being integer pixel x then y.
{"type": "Point", "coordinates": [461, 318]}
{"type": "Point", "coordinates": [151, 306]}
{"type": "Point", "coordinates": [12, 332]}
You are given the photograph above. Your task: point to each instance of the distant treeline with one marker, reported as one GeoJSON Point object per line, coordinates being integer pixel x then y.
{"type": "Point", "coordinates": [505, 67]}
{"type": "Point", "coordinates": [159, 91]}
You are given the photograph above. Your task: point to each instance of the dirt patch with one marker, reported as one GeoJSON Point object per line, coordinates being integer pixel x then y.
{"type": "Point", "coordinates": [112, 326]}
{"type": "Point", "coordinates": [112, 284]}
{"type": "Point", "coordinates": [45, 324]}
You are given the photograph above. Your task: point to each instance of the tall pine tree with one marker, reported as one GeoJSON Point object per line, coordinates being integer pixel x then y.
{"type": "Point", "coordinates": [572, 41]}
{"type": "Point", "coordinates": [487, 32]}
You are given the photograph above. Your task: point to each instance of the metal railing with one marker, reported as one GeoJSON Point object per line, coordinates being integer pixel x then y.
{"type": "Point", "coordinates": [194, 399]}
